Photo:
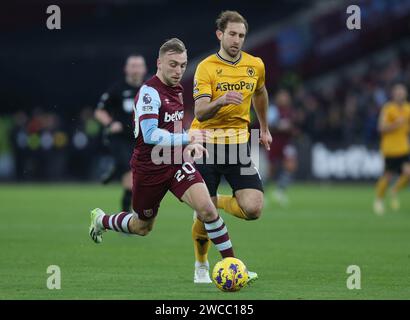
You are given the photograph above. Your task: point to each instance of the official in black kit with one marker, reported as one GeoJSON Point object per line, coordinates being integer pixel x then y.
{"type": "Point", "coordinates": [115, 111]}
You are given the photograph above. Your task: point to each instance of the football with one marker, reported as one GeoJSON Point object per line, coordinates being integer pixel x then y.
{"type": "Point", "coordinates": [230, 274]}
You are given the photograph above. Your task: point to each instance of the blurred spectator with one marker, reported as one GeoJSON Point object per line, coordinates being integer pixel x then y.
{"type": "Point", "coordinates": [283, 154]}
{"type": "Point", "coordinates": [85, 153]}
{"type": "Point", "coordinates": [345, 111]}
{"type": "Point", "coordinates": [45, 147]}
{"type": "Point", "coordinates": [6, 160]}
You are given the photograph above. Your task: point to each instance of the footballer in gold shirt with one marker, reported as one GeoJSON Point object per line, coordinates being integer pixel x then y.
{"type": "Point", "coordinates": [394, 127]}
{"type": "Point", "coordinates": [225, 85]}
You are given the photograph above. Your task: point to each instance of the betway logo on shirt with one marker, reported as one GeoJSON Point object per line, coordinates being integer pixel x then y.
{"type": "Point", "coordinates": [226, 86]}
{"type": "Point", "coordinates": [176, 116]}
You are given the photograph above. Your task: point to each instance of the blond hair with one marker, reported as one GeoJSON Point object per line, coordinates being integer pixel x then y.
{"type": "Point", "coordinates": [172, 45]}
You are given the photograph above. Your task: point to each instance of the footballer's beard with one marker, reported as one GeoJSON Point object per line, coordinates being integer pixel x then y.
{"type": "Point", "coordinates": [232, 52]}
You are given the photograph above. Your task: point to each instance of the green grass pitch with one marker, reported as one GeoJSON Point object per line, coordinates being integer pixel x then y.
{"type": "Point", "coordinates": [300, 252]}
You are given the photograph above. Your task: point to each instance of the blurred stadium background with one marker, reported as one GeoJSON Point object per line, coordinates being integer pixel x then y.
{"type": "Point", "coordinates": [337, 81]}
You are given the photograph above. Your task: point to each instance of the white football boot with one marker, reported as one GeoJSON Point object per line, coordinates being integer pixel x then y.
{"type": "Point", "coordinates": [378, 207]}
{"type": "Point", "coordinates": [95, 230]}
{"type": "Point", "coordinates": [252, 277]}
{"type": "Point", "coordinates": [201, 274]}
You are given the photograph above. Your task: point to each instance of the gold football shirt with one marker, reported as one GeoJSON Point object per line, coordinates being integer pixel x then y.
{"type": "Point", "coordinates": [395, 143]}
{"type": "Point", "coordinates": [216, 76]}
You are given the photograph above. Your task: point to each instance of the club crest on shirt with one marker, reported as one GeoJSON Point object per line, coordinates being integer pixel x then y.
{"type": "Point", "coordinates": [250, 71]}
{"type": "Point", "coordinates": [219, 71]}
{"type": "Point", "coordinates": [181, 98]}
{"type": "Point", "coordinates": [146, 98]}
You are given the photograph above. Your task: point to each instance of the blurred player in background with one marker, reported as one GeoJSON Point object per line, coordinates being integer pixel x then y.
{"type": "Point", "coordinates": [158, 114]}
{"type": "Point", "coordinates": [394, 125]}
{"type": "Point", "coordinates": [225, 83]}
{"type": "Point", "coordinates": [282, 155]}
{"type": "Point", "coordinates": [114, 112]}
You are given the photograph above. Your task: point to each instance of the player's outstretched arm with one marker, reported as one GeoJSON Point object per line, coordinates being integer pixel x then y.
{"type": "Point", "coordinates": [157, 136]}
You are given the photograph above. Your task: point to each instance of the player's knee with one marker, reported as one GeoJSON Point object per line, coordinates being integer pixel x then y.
{"type": "Point", "coordinates": [253, 212]}
{"type": "Point", "coordinates": [207, 211]}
